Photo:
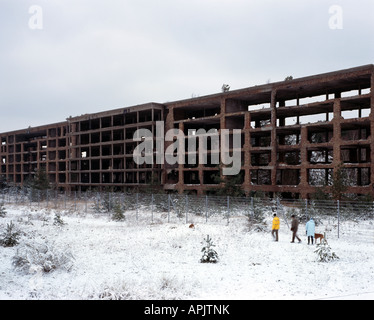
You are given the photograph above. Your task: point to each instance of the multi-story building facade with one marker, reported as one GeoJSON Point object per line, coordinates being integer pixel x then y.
{"type": "Point", "coordinates": [294, 134]}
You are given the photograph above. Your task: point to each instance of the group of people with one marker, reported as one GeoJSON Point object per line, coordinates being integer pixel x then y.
{"type": "Point", "coordinates": [310, 229]}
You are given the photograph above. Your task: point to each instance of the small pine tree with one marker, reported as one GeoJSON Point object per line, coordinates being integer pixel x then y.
{"type": "Point", "coordinates": [10, 237]}
{"type": "Point", "coordinates": [58, 221]}
{"type": "Point", "coordinates": [339, 182]}
{"type": "Point", "coordinates": [324, 253]}
{"type": "Point", "coordinates": [39, 185]}
{"type": "Point", "coordinates": [2, 210]}
{"type": "Point", "coordinates": [209, 254]}
{"type": "Point", "coordinates": [119, 212]}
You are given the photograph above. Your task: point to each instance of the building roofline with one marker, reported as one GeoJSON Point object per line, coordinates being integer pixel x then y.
{"type": "Point", "coordinates": [264, 89]}
{"type": "Point", "coordinates": [329, 76]}
{"type": "Point", "coordinates": [34, 128]}
{"type": "Point", "coordinates": [140, 107]}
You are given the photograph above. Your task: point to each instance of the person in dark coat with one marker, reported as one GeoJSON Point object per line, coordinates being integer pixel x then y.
{"type": "Point", "coordinates": [294, 228]}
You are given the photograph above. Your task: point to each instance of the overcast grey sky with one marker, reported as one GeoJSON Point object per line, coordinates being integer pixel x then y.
{"type": "Point", "coordinates": [95, 55]}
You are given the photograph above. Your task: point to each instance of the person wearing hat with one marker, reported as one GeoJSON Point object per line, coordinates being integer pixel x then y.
{"type": "Point", "coordinates": [275, 227]}
{"type": "Point", "coordinates": [310, 230]}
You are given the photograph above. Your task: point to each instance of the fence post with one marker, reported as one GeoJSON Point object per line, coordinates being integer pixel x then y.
{"type": "Point", "coordinates": [137, 201]}
{"type": "Point", "coordinates": [228, 209]}
{"type": "Point", "coordinates": [252, 207]}
{"type": "Point", "coordinates": [206, 208]}
{"type": "Point", "coordinates": [280, 208]}
{"type": "Point", "coordinates": [338, 207]}
{"type": "Point", "coordinates": [186, 209]}
{"type": "Point", "coordinates": [152, 207]}
{"type": "Point", "coordinates": [75, 201]}
{"type": "Point", "coordinates": [169, 208]}
{"type": "Point", "coordinates": [86, 200]}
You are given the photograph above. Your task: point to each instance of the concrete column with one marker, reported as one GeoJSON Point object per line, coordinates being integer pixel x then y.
{"type": "Point", "coordinates": [247, 153]}
{"type": "Point", "coordinates": [337, 132]}
{"type": "Point", "coordinates": [273, 144]}
{"type": "Point", "coordinates": [371, 116]}
{"type": "Point", "coordinates": [304, 162]}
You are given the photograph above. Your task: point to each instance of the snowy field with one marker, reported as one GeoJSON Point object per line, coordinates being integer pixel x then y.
{"type": "Point", "coordinates": [133, 259]}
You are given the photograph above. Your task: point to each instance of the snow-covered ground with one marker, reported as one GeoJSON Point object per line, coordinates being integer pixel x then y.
{"type": "Point", "coordinates": [139, 260]}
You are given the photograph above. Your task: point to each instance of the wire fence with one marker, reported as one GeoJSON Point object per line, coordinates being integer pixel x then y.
{"type": "Point", "coordinates": [354, 219]}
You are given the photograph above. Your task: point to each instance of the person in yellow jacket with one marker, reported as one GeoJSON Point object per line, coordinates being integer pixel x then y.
{"type": "Point", "coordinates": [275, 227]}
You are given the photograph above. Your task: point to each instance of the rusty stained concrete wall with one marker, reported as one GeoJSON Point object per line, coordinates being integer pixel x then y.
{"type": "Point", "coordinates": [281, 151]}
{"type": "Point", "coordinates": [265, 129]}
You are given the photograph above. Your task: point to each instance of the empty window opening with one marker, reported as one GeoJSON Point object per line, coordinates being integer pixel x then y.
{"type": "Point", "coordinates": [356, 176]}
{"type": "Point", "coordinates": [235, 122]}
{"type": "Point", "coordinates": [355, 154]}
{"type": "Point", "coordinates": [288, 177]}
{"type": "Point", "coordinates": [320, 137]}
{"type": "Point", "coordinates": [84, 154]}
{"type": "Point", "coordinates": [106, 136]}
{"type": "Point", "coordinates": [52, 155]}
{"type": "Point", "coordinates": [95, 178]}
{"type": "Point", "coordinates": [261, 177]}
{"type": "Point", "coordinates": [260, 106]}
{"type": "Point", "coordinates": [131, 177]}
{"type": "Point", "coordinates": [261, 140]}
{"type": "Point", "coordinates": [350, 114]}
{"type": "Point", "coordinates": [95, 137]}
{"type": "Point", "coordinates": [191, 177]}
{"type": "Point", "coordinates": [320, 156]}
{"type": "Point", "coordinates": [118, 135]}
{"type": "Point", "coordinates": [85, 139]}
{"type": "Point", "coordinates": [106, 178]}
{"type": "Point", "coordinates": [118, 149]}
{"type": "Point", "coordinates": [291, 103]}
{"type": "Point", "coordinates": [157, 115]}
{"type": "Point", "coordinates": [117, 164]}
{"type": "Point", "coordinates": [145, 116]}
{"type": "Point", "coordinates": [355, 134]}
{"type": "Point", "coordinates": [106, 150]}
{"type": "Point", "coordinates": [106, 164]}
{"type": "Point", "coordinates": [288, 139]}
{"type": "Point", "coordinates": [211, 177]}
{"type": "Point", "coordinates": [106, 122]}
{"type": "Point", "coordinates": [95, 165]}
{"type": "Point", "coordinates": [365, 91]}
{"type": "Point", "coordinates": [61, 166]}
{"type": "Point", "coordinates": [61, 178]}
{"type": "Point", "coordinates": [118, 120]}
{"type": "Point", "coordinates": [130, 164]}
{"type": "Point", "coordinates": [261, 123]}
{"type": "Point", "coordinates": [260, 159]}
{"type": "Point", "coordinates": [320, 177]}
{"type": "Point", "coordinates": [172, 177]}
{"type": "Point", "coordinates": [310, 100]}
{"type": "Point", "coordinates": [131, 118]}
{"type": "Point", "coordinates": [84, 125]}
{"type": "Point", "coordinates": [351, 93]}
{"type": "Point", "coordinates": [289, 158]}
{"type": "Point", "coordinates": [315, 118]}
{"type": "Point", "coordinates": [118, 177]}
{"type": "Point", "coordinates": [85, 165]}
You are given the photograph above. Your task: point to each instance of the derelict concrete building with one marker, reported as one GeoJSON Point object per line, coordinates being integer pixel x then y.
{"type": "Point", "coordinates": [293, 135]}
